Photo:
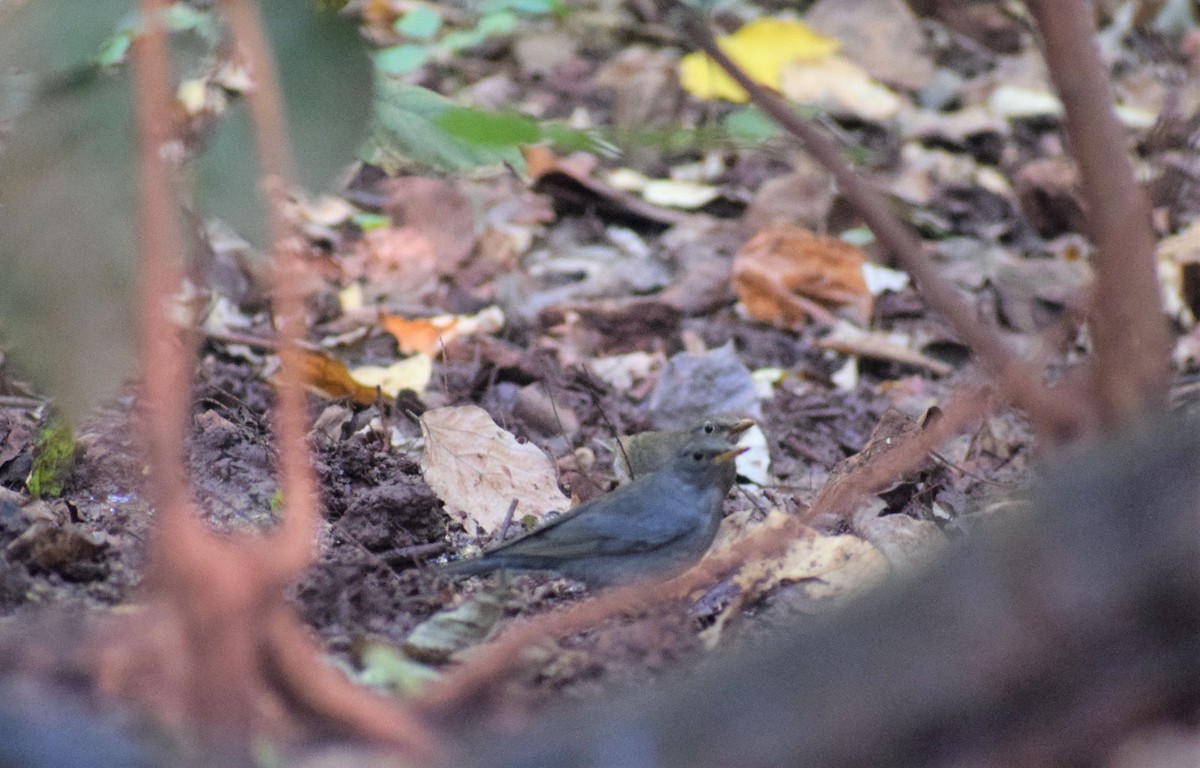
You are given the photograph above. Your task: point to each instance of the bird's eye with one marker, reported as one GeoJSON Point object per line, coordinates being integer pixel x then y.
{"type": "Point", "coordinates": [708, 428]}
{"type": "Point", "coordinates": [697, 456]}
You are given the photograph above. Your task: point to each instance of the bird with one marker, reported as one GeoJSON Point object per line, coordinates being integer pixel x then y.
{"type": "Point", "coordinates": [657, 525]}
{"type": "Point", "coordinates": [647, 452]}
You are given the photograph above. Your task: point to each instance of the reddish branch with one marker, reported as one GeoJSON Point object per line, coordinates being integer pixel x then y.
{"type": "Point", "coordinates": [1128, 330]}
{"type": "Point", "coordinates": [296, 533]}
{"type": "Point", "coordinates": [1058, 415]}
{"type": "Point", "coordinates": [248, 664]}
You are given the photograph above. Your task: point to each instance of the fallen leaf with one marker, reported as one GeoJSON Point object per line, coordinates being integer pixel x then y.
{"type": "Point", "coordinates": [755, 463]}
{"type": "Point", "coordinates": [569, 182]}
{"type": "Point", "coordinates": [786, 275]}
{"type": "Point", "coordinates": [410, 373]}
{"type": "Point", "coordinates": [828, 566]}
{"type": "Point", "coordinates": [331, 378]}
{"type": "Point", "coordinates": [624, 372]}
{"type": "Point", "coordinates": [694, 385]}
{"type": "Point", "coordinates": [428, 335]}
{"type": "Point", "coordinates": [389, 669]}
{"type": "Point", "coordinates": [838, 86]}
{"type": "Point", "coordinates": [436, 210]}
{"type": "Point", "coordinates": [761, 48]}
{"type": "Point", "coordinates": [1178, 259]}
{"type": "Point", "coordinates": [396, 263]}
{"type": "Point", "coordinates": [447, 632]}
{"type": "Point", "coordinates": [884, 36]}
{"type": "Point", "coordinates": [908, 544]}
{"type": "Point", "coordinates": [478, 469]}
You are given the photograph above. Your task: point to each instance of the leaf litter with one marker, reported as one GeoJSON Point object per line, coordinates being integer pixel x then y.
{"type": "Point", "coordinates": [618, 315]}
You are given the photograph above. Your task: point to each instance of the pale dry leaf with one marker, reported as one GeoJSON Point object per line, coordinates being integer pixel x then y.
{"type": "Point", "coordinates": [478, 469]}
{"type": "Point", "coordinates": [410, 373]}
{"type": "Point", "coordinates": [826, 566]}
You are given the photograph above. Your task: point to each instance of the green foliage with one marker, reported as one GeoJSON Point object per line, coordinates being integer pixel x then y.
{"type": "Point", "coordinates": [399, 59]}
{"type": "Point", "coordinates": [421, 23]}
{"type": "Point", "coordinates": [407, 131]}
{"type": "Point", "coordinates": [490, 129]}
{"type": "Point", "coordinates": [68, 167]}
{"type": "Point", "coordinates": [750, 124]}
{"type": "Point", "coordinates": [53, 457]}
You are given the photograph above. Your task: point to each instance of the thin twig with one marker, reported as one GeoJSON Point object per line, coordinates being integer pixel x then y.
{"type": "Point", "coordinates": [1057, 416]}
{"type": "Point", "coordinates": [1128, 329]}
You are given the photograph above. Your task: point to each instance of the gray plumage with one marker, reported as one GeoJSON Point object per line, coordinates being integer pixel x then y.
{"type": "Point", "coordinates": [659, 524]}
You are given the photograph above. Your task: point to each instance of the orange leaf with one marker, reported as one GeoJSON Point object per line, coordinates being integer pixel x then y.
{"type": "Point", "coordinates": [429, 334]}
{"type": "Point", "coordinates": [787, 275]}
{"type": "Point", "coordinates": [330, 378]}
{"type": "Point", "coordinates": [419, 335]}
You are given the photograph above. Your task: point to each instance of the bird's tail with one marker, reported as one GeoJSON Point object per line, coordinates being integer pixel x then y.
{"type": "Point", "coordinates": [469, 567]}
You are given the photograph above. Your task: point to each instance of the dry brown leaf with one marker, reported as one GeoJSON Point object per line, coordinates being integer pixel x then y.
{"type": "Point", "coordinates": [437, 212]}
{"type": "Point", "coordinates": [786, 275]}
{"type": "Point", "coordinates": [478, 469]}
{"type": "Point", "coordinates": [396, 262]}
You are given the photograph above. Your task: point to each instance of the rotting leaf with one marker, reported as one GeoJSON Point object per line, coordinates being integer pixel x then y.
{"type": "Point", "coordinates": [478, 469]}
{"type": "Point", "coordinates": [447, 632]}
{"type": "Point", "coordinates": [53, 457]}
{"type": "Point", "coordinates": [52, 541]}
{"type": "Point", "coordinates": [390, 669]}
{"type": "Point", "coordinates": [786, 275]}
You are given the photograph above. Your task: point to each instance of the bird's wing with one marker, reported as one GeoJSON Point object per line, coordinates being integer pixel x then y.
{"type": "Point", "coordinates": [627, 526]}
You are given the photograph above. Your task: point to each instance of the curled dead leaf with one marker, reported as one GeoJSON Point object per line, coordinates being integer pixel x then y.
{"type": "Point", "coordinates": [787, 275]}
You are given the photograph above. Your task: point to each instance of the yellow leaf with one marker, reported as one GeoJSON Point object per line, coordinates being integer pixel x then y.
{"type": "Point", "coordinates": [410, 373]}
{"type": "Point", "coordinates": [761, 48]}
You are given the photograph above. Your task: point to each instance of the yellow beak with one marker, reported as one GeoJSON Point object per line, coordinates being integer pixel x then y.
{"type": "Point", "coordinates": [721, 458]}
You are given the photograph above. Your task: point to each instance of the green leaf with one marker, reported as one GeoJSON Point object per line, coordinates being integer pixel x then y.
{"type": "Point", "coordinates": [406, 131]}
{"type": "Point", "coordinates": [388, 668]}
{"type": "Point", "coordinates": [369, 221]}
{"type": "Point", "coordinates": [400, 59]}
{"type": "Point", "coordinates": [528, 7]}
{"type": "Point", "coordinates": [564, 137]}
{"type": "Point", "coordinates": [750, 124]}
{"type": "Point", "coordinates": [457, 41]}
{"type": "Point", "coordinates": [114, 50]}
{"type": "Point", "coordinates": [421, 23]}
{"type": "Point", "coordinates": [489, 129]}
{"type": "Point", "coordinates": [496, 23]}
{"type": "Point", "coordinates": [53, 457]}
